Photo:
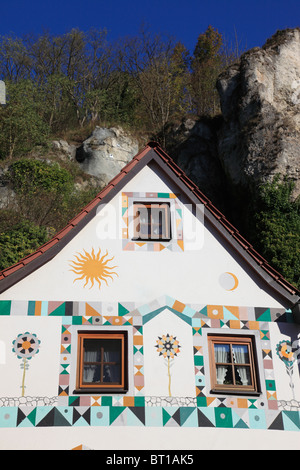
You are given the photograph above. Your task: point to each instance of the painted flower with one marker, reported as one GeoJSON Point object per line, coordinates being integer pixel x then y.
{"type": "Point", "coordinates": [285, 352]}
{"type": "Point", "coordinates": [26, 345]}
{"type": "Point", "coordinates": [167, 346]}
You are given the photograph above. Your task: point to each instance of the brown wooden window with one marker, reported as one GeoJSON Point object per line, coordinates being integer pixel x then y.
{"type": "Point", "coordinates": [102, 362]}
{"type": "Point", "coordinates": [232, 363]}
{"type": "Point", "coordinates": [151, 221]}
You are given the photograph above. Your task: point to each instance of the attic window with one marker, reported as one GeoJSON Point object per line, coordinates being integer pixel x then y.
{"type": "Point", "coordinates": [151, 221]}
{"type": "Point", "coordinates": [232, 364]}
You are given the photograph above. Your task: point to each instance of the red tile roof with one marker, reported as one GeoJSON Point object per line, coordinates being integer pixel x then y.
{"type": "Point", "coordinates": [231, 231]}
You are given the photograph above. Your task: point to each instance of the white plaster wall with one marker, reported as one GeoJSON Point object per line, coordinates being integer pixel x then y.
{"type": "Point", "coordinates": [191, 276]}
{"type": "Point", "coordinates": [155, 366]}
{"type": "Point", "coordinates": [113, 439]}
{"type": "Point", "coordinates": [41, 379]}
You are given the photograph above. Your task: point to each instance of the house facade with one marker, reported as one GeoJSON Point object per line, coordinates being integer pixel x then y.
{"type": "Point", "coordinates": [148, 323]}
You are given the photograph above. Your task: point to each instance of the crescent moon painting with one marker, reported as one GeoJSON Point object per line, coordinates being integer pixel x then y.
{"type": "Point", "coordinates": [228, 281]}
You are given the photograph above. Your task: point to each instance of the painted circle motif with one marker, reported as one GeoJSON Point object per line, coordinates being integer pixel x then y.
{"type": "Point", "coordinates": [228, 281]}
{"type": "Point", "coordinates": [26, 345]}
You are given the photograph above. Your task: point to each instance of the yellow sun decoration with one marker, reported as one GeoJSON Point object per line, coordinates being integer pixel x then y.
{"type": "Point", "coordinates": [92, 268]}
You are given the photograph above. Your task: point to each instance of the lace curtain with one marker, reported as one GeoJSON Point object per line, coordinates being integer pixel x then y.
{"type": "Point", "coordinates": [240, 356]}
{"type": "Point", "coordinates": [221, 355]}
{"type": "Point", "coordinates": [92, 372]}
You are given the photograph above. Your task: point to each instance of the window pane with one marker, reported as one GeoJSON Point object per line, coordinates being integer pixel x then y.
{"type": "Point", "coordinates": [112, 350]}
{"type": "Point", "coordinates": [224, 375]}
{"type": "Point", "coordinates": [143, 211]}
{"type": "Point", "coordinates": [243, 375]}
{"type": "Point", "coordinates": [222, 353]}
{"type": "Point", "coordinates": [112, 373]}
{"type": "Point", "coordinates": [97, 350]}
{"type": "Point", "coordinates": [240, 353]}
{"type": "Point", "coordinates": [91, 374]}
{"type": "Point", "coordinates": [92, 350]}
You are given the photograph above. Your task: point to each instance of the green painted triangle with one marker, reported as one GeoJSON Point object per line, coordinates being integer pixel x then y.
{"type": "Point", "coordinates": [241, 424]}
{"type": "Point", "coordinates": [115, 412]}
{"type": "Point", "coordinates": [266, 316]}
{"type": "Point", "coordinates": [124, 209]}
{"type": "Point", "coordinates": [165, 416]}
{"type": "Point", "coordinates": [59, 311]}
{"type": "Point", "coordinates": [204, 311]}
{"type": "Point", "coordinates": [32, 416]}
{"type": "Point", "coordinates": [72, 399]}
{"type": "Point", "coordinates": [252, 404]}
{"type": "Point", "coordinates": [122, 310]}
{"type": "Point", "coordinates": [185, 413]}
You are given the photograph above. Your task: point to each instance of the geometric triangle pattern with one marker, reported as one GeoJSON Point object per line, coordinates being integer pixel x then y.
{"type": "Point", "coordinates": [186, 416]}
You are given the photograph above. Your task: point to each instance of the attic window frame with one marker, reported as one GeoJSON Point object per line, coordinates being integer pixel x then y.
{"type": "Point", "coordinates": [165, 224]}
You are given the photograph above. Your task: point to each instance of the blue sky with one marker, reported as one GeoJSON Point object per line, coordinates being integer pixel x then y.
{"type": "Point", "coordinates": [251, 21]}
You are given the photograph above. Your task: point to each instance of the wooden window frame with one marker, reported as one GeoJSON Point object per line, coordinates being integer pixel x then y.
{"type": "Point", "coordinates": [164, 206]}
{"type": "Point", "coordinates": [249, 340]}
{"type": "Point", "coordinates": [102, 388]}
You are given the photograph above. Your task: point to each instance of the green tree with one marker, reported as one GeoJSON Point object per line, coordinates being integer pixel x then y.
{"type": "Point", "coordinates": [43, 191]}
{"type": "Point", "coordinates": [19, 241]}
{"type": "Point", "coordinates": [21, 121]}
{"type": "Point", "coordinates": [275, 228]}
{"type": "Point", "coordinates": [206, 65]}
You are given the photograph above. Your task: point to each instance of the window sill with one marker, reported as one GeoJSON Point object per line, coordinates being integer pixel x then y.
{"type": "Point", "coordinates": [99, 391]}
{"type": "Point", "coordinates": [151, 239]}
{"type": "Point", "coordinates": [235, 392]}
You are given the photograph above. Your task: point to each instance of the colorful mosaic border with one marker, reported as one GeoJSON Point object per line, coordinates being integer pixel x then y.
{"type": "Point", "coordinates": [138, 410]}
{"type": "Point", "coordinates": [147, 311]}
{"type": "Point", "coordinates": [175, 244]}
{"type": "Point", "coordinates": [139, 415]}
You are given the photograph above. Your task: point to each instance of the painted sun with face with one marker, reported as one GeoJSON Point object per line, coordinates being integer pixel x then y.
{"type": "Point", "coordinates": [92, 268]}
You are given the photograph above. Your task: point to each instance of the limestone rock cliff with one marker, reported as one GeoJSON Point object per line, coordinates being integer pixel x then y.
{"type": "Point", "coordinates": [260, 102]}
{"type": "Point", "coordinates": [106, 152]}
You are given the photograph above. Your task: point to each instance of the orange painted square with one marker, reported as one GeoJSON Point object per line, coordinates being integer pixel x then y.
{"type": "Point", "coordinates": [235, 324]}
{"type": "Point", "coordinates": [215, 311]}
{"type": "Point", "coordinates": [178, 306]}
{"type": "Point", "coordinates": [138, 340]}
{"type": "Point", "coordinates": [253, 325]}
{"type": "Point", "coordinates": [242, 403]}
{"type": "Point", "coordinates": [128, 401]}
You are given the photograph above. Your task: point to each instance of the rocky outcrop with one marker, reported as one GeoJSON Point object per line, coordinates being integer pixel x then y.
{"type": "Point", "coordinates": [260, 102]}
{"type": "Point", "coordinates": [106, 152]}
{"type": "Point", "coordinates": [194, 150]}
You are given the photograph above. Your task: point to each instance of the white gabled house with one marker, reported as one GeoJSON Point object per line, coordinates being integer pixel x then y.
{"type": "Point", "coordinates": [148, 323]}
